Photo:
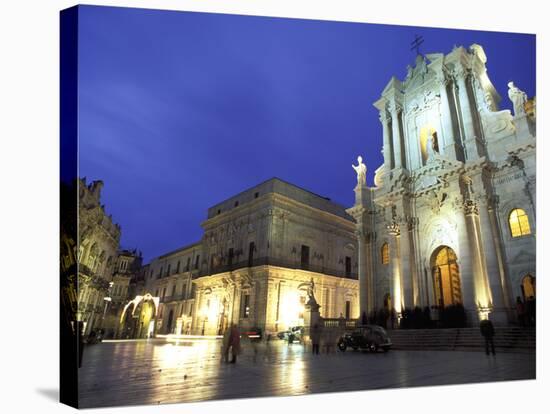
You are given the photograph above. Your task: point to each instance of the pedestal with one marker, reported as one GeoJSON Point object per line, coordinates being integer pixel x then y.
{"type": "Point", "coordinates": [311, 315]}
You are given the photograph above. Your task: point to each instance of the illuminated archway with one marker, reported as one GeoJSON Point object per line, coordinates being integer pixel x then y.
{"type": "Point", "coordinates": [446, 277]}
{"type": "Point", "coordinates": [138, 317]}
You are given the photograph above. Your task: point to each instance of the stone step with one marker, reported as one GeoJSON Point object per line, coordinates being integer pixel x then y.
{"type": "Point", "coordinates": [506, 339]}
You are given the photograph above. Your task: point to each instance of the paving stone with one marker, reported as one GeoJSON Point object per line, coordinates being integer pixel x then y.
{"type": "Point", "coordinates": [161, 372]}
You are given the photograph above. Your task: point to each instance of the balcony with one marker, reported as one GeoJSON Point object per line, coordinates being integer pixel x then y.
{"type": "Point", "coordinates": [173, 298]}
{"type": "Point", "coordinates": [264, 261]}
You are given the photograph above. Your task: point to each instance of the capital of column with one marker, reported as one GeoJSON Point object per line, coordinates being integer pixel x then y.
{"type": "Point", "coordinates": [470, 207]}
{"type": "Point", "coordinates": [393, 228]}
{"type": "Point", "coordinates": [394, 107]}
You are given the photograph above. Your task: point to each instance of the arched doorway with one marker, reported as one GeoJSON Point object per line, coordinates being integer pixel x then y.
{"type": "Point", "coordinates": [222, 324]}
{"type": "Point", "coordinates": [146, 312]}
{"type": "Point", "coordinates": [446, 277]}
{"type": "Point", "coordinates": [528, 287]}
{"type": "Point", "coordinates": [170, 321]}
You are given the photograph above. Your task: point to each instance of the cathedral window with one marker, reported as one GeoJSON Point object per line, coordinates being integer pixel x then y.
{"type": "Point", "coordinates": [245, 312]}
{"type": "Point", "coordinates": [519, 223]}
{"type": "Point", "coordinates": [251, 250]}
{"type": "Point", "coordinates": [385, 251]}
{"type": "Point", "coordinates": [348, 266]}
{"type": "Point", "coordinates": [305, 257]}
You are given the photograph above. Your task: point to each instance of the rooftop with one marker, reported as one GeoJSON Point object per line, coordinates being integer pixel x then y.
{"type": "Point", "coordinates": [279, 186]}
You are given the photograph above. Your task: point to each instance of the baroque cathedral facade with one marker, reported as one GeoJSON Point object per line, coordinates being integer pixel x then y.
{"type": "Point", "coordinates": [451, 217]}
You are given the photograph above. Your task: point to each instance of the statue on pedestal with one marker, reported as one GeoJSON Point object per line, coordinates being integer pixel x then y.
{"type": "Point", "coordinates": [361, 170]}
{"type": "Point", "coordinates": [518, 98]}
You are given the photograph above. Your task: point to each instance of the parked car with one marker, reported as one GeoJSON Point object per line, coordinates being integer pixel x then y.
{"type": "Point", "coordinates": [368, 337]}
{"type": "Point", "coordinates": [254, 334]}
{"type": "Point", "coordinates": [295, 333]}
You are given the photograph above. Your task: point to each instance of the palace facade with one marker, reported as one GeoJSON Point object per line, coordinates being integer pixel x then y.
{"type": "Point", "coordinates": [259, 251]}
{"type": "Point", "coordinates": [98, 241]}
{"type": "Point", "coordinates": [451, 217]}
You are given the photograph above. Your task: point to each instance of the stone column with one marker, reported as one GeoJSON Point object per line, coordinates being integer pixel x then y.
{"type": "Point", "coordinates": [407, 265]}
{"type": "Point", "coordinates": [508, 298]}
{"type": "Point", "coordinates": [362, 270]}
{"type": "Point", "coordinates": [449, 142]}
{"type": "Point", "coordinates": [386, 149]}
{"type": "Point", "coordinates": [496, 267]}
{"type": "Point", "coordinates": [412, 224]}
{"type": "Point", "coordinates": [369, 246]}
{"type": "Point", "coordinates": [482, 294]}
{"type": "Point", "coordinates": [396, 134]}
{"type": "Point", "coordinates": [468, 126]}
{"type": "Point", "coordinates": [396, 281]}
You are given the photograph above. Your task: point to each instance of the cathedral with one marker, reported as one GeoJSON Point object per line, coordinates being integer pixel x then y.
{"type": "Point", "coordinates": [449, 222]}
{"type": "Point", "coordinates": [451, 217]}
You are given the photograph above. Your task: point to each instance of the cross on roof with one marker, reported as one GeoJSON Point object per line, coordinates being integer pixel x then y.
{"type": "Point", "coordinates": [415, 44]}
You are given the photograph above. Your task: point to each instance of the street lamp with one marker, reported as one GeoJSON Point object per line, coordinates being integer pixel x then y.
{"type": "Point", "coordinates": [107, 300]}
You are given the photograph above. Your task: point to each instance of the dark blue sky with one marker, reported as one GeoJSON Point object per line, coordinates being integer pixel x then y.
{"type": "Point", "coordinates": [178, 111]}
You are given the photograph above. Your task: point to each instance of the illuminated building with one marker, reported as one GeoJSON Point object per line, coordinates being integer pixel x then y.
{"type": "Point", "coordinates": [97, 251]}
{"type": "Point", "coordinates": [126, 269]}
{"type": "Point", "coordinates": [257, 248]}
{"type": "Point", "coordinates": [451, 217]}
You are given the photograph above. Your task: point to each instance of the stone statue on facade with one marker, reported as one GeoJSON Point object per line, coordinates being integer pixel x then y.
{"type": "Point", "coordinates": [310, 286]}
{"type": "Point", "coordinates": [361, 170]}
{"type": "Point", "coordinates": [431, 146]}
{"type": "Point", "coordinates": [518, 98]}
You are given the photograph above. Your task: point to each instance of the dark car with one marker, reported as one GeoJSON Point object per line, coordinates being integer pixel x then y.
{"type": "Point", "coordinates": [368, 337]}
{"type": "Point", "coordinates": [254, 334]}
{"type": "Point", "coordinates": [294, 334]}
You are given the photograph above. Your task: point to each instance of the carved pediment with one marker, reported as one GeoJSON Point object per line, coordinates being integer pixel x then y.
{"type": "Point", "coordinates": [498, 123]}
{"type": "Point", "coordinates": [426, 182]}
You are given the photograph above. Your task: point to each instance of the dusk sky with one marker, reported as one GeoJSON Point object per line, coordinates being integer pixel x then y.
{"type": "Point", "coordinates": [179, 111]}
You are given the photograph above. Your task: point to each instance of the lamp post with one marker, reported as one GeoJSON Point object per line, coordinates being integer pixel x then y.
{"type": "Point", "coordinates": [107, 300]}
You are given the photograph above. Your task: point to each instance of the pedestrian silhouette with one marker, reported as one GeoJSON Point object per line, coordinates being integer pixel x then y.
{"type": "Point", "coordinates": [315, 339]}
{"type": "Point", "coordinates": [488, 332]}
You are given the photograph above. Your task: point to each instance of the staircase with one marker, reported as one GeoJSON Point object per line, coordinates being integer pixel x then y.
{"type": "Point", "coordinates": [506, 339]}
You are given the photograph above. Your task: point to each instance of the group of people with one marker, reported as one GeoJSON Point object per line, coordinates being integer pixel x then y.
{"type": "Point", "coordinates": [526, 311]}
{"type": "Point", "coordinates": [328, 339]}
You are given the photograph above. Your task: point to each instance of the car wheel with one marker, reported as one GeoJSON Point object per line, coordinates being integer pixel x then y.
{"type": "Point", "coordinates": [342, 346]}
{"type": "Point", "coordinates": [373, 347]}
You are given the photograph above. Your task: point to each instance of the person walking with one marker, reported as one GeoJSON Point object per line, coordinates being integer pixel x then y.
{"type": "Point", "coordinates": [234, 343]}
{"type": "Point", "coordinates": [520, 310]}
{"type": "Point", "coordinates": [225, 344]}
{"type": "Point", "coordinates": [315, 339]}
{"type": "Point", "coordinates": [530, 311]}
{"type": "Point", "coordinates": [488, 332]}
